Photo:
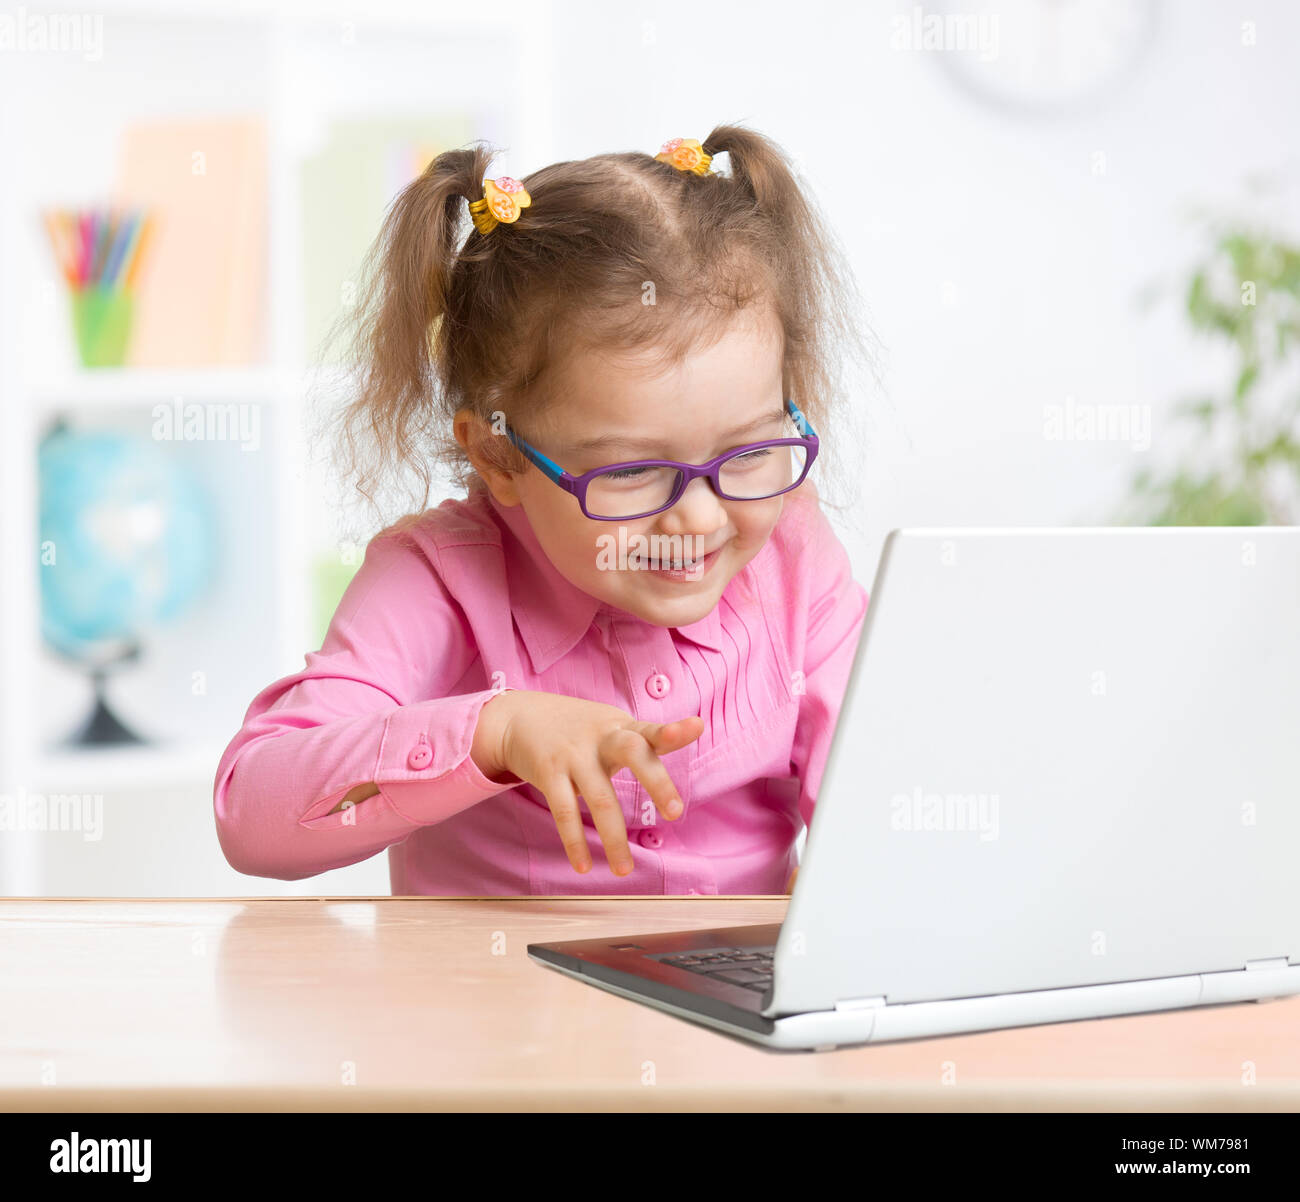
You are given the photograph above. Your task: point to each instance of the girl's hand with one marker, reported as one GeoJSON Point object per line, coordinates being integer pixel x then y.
{"type": "Point", "coordinates": [566, 747]}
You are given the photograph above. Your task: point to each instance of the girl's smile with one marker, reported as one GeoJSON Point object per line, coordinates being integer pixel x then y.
{"type": "Point", "coordinates": [692, 571]}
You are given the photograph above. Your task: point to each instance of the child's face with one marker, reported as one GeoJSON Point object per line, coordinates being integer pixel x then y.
{"type": "Point", "coordinates": [689, 413]}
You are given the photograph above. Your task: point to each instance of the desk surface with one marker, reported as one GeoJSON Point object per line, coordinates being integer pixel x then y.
{"type": "Point", "coordinates": [433, 1004]}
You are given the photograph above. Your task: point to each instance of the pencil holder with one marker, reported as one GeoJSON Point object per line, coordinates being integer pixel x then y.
{"type": "Point", "coordinates": [102, 320]}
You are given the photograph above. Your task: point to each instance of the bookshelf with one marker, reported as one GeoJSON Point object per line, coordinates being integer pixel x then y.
{"type": "Point", "coordinates": [62, 115]}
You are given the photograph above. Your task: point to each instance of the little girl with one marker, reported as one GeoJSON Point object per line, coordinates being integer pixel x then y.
{"type": "Point", "coordinates": [626, 646]}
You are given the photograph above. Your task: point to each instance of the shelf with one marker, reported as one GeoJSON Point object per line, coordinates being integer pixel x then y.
{"type": "Point", "coordinates": [111, 387]}
{"type": "Point", "coordinates": [118, 388]}
{"type": "Point", "coordinates": [105, 769]}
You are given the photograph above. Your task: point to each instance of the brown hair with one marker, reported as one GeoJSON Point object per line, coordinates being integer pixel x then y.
{"type": "Point", "coordinates": [444, 321]}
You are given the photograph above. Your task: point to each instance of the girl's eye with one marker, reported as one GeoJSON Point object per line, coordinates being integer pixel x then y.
{"type": "Point", "coordinates": [627, 473]}
{"type": "Point", "coordinates": [749, 458]}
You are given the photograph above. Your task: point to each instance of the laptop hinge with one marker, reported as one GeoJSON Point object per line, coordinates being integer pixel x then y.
{"type": "Point", "coordinates": [1276, 962]}
{"type": "Point", "coordinates": [859, 1003]}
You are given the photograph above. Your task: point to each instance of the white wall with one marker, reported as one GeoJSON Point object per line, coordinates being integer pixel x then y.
{"type": "Point", "coordinates": [1046, 257]}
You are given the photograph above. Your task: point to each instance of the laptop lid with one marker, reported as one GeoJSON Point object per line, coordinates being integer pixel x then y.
{"type": "Point", "coordinates": [1064, 757]}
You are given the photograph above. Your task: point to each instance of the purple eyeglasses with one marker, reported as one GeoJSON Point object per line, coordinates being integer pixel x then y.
{"type": "Point", "coordinates": [643, 487]}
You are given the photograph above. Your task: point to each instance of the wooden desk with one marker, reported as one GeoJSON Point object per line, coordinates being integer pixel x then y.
{"type": "Point", "coordinates": [432, 1004]}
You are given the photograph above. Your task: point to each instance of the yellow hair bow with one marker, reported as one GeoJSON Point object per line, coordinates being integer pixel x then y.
{"type": "Point", "coordinates": [686, 154]}
{"type": "Point", "coordinates": [503, 200]}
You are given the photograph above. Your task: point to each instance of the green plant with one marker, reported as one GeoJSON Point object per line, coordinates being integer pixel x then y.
{"type": "Point", "coordinates": [1242, 467]}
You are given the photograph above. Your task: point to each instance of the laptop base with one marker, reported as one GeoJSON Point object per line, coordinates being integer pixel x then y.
{"type": "Point", "coordinates": [826, 1030]}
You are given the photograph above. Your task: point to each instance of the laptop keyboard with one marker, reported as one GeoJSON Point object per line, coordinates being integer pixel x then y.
{"type": "Point", "coordinates": [747, 966]}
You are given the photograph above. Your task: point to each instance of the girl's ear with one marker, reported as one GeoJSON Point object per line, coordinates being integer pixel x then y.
{"type": "Point", "coordinates": [484, 450]}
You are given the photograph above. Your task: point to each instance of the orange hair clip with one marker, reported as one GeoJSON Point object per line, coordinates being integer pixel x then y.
{"type": "Point", "coordinates": [686, 154]}
{"type": "Point", "coordinates": [504, 198]}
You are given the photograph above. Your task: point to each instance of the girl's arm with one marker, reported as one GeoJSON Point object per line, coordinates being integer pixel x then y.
{"type": "Point", "coordinates": [485, 750]}
{"type": "Point", "coordinates": [355, 719]}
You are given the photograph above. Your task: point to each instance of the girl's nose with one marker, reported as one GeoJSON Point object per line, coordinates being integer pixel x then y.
{"type": "Point", "coordinates": [699, 510]}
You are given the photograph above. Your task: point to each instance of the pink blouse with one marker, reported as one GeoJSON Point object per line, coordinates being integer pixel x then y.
{"type": "Point", "coordinates": [433, 626]}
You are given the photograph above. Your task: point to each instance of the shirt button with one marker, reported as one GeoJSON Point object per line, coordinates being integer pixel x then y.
{"type": "Point", "coordinates": [650, 838]}
{"type": "Point", "coordinates": [657, 685]}
{"type": "Point", "coordinates": [421, 755]}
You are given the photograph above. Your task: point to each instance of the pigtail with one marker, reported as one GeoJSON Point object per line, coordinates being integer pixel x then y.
{"type": "Point", "coordinates": [388, 423]}
{"type": "Point", "coordinates": [760, 168]}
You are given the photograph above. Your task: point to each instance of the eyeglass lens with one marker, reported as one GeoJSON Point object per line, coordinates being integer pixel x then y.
{"type": "Point", "coordinates": [755, 474]}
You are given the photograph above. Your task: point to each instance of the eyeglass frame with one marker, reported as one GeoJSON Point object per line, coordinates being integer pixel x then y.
{"type": "Point", "coordinates": [577, 485]}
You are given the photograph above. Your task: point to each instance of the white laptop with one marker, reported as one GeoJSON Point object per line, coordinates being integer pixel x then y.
{"type": "Point", "coordinates": [1065, 784]}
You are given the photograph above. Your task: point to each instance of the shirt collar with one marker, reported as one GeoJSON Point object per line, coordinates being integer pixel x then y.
{"type": "Point", "coordinates": [551, 612]}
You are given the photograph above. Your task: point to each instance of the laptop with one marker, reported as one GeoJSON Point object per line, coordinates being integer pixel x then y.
{"type": "Point", "coordinates": [1064, 784]}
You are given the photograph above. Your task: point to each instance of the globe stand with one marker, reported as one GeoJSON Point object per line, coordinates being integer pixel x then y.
{"type": "Point", "coordinates": [103, 728]}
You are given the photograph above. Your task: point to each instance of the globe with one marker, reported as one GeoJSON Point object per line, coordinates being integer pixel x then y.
{"type": "Point", "coordinates": [125, 546]}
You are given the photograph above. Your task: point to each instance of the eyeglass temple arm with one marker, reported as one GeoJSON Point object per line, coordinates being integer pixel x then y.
{"type": "Point", "coordinates": [805, 427]}
{"type": "Point", "coordinates": [549, 466]}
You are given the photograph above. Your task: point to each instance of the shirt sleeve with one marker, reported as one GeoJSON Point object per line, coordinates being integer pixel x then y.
{"type": "Point", "coordinates": [359, 712]}
{"type": "Point", "coordinates": [837, 606]}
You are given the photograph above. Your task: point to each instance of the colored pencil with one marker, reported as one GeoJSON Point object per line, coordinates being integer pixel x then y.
{"type": "Point", "coordinates": [101, 248]}
{"type": "Point", "coordinates": [117, 254]}
{"type": "Point", "coordinates": [87, 242]}
{"type": "Point", "coordinates": [137, 256]}
{"type": "Point", "coordinates": [58, 240]}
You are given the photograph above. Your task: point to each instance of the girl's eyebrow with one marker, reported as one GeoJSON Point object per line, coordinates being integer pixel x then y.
{"type": "Point", "coordinates": [605, 441]}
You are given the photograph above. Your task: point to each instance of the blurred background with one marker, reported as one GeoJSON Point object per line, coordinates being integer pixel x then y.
{"type": "Point", "coordinates": [1074, 225]}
